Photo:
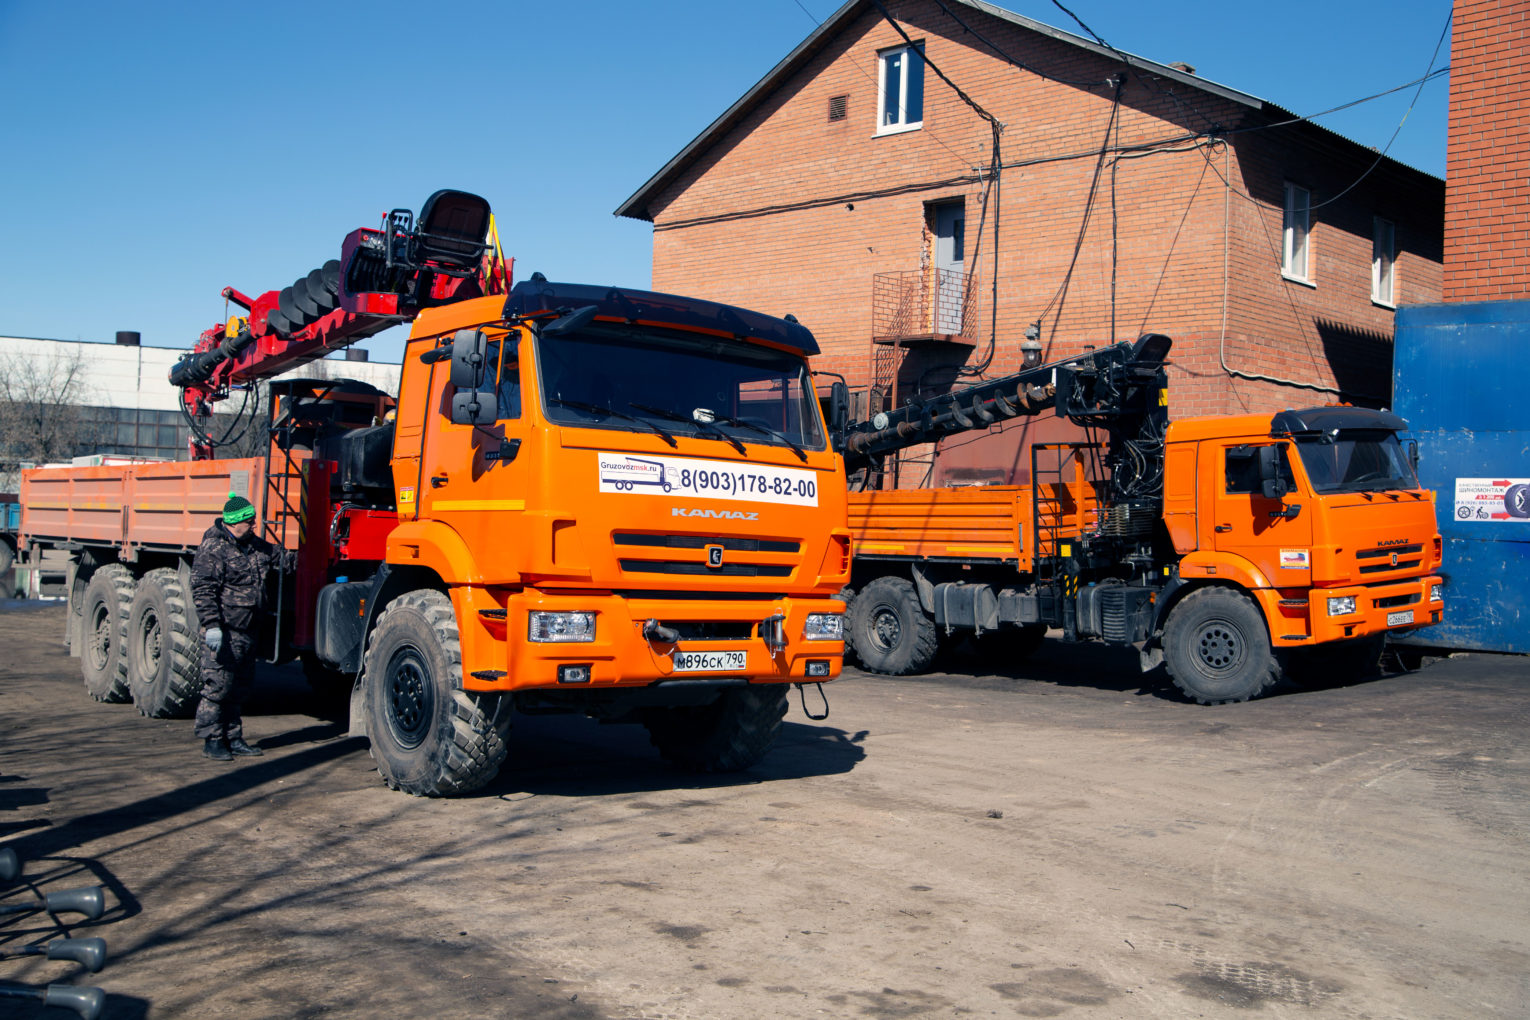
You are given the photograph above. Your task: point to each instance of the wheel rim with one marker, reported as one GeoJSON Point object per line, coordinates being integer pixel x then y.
{"type": "Point", "coordinates": [150, 646]}
{"type": "Point", "coordinates": [1220, 648]}
{"type": "Point", "coordinates": [409, 697]}
{"type": "Point", "coordinates": [886, 627]}
{"type": "Point", "coordinates": [101, 636]}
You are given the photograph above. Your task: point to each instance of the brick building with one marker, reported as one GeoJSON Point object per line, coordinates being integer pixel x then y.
{"type": "Point", "coordinates": [853, 187]}
{"type": "Point", "coordinates": [1487, 200]}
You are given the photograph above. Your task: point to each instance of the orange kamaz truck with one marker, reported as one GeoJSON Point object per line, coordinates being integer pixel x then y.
{"type": "Point", "coordinates": [582, 499]}
{"type": "Point", "coordinates": [1227, 549]}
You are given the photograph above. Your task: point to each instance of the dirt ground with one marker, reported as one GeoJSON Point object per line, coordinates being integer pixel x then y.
{"type": "Point", "coordinates": [1069, 840]}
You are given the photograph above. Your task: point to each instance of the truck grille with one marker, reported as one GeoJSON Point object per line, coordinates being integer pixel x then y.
{"type": "Point", "coordinates": [702, 541]}
{"type": "Point", "coordinates": [739, 555]}
{"type": "Point", "coordinates": [1408, 558]}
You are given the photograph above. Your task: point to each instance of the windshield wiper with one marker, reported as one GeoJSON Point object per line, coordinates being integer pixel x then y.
{"type": "Point", "coordinates": [764, 430]}
{"type": "Point", "coordinates": [611, 412]}
{"type": "Point", "coordinates": [676, 416]}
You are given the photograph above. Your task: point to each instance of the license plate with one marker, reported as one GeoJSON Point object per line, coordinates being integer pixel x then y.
{"type": "Point", "coordinates": [710, 662]}
{"type": "Point", "coordinates": [1398, 619]}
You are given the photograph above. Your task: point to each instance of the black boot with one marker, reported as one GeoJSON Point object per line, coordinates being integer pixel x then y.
{"type": "Point", "coordinates": [217, 749]}
{"type": "Point", "coordinates": [239, 747]}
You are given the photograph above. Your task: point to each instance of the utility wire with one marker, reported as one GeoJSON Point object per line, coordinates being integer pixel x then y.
{"type": "Point", "coordinates": [1022, 65]}
{"type": "Point", "coordinates": [990, 118]}
{"type": "Point", "coordinates": [1397, 130]}
{"type": "Point", "coordinates": [966, 160]}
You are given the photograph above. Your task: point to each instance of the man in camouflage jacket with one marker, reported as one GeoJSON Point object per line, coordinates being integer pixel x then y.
{"type": "Point", "coordinates": [228, 587]}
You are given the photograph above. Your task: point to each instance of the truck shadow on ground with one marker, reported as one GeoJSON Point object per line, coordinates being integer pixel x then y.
{"type": "Point", "coordinates": [1103, 668]}
{"type": "Point", "coordinates": [570, 756]}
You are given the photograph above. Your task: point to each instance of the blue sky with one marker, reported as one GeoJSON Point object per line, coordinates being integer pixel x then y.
{"type": "Point", "coordinates": [157, 152]}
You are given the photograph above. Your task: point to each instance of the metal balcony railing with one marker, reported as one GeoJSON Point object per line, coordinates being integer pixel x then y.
{"type": "Point", "coordinates": [922, 304]}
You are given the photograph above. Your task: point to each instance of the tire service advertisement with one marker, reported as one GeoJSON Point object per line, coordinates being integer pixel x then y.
{"type": "Point", "coordinates": [707, 479]}
{"type": "Point", "coordinates": [1493, 499]}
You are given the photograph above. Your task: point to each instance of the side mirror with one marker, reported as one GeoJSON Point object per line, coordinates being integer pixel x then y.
{"type": "Point", "coordinates": [470, 358]}
{"type": "Point", "coordinates": [1413, 454]}
{"type": "Point", "coordinates": [839, 408]}
{"type": "Point", "coordinates": [472, 407]}
{"type": "Point", "coordinates": [571, 322]}
{"type": "Point", "coordinates": [1272, 485]}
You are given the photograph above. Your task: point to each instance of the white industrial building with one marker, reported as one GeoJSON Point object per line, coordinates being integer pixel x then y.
{"type": "Point", "coordinates": [125, 388]}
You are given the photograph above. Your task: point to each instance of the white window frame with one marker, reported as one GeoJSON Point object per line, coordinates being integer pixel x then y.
{"type": "Point", "coordinates": [1296, 235]}
{"type": "Point", "coordinates": [1383, 262]}
{"type": "Point", "coordinates": [902, 124]}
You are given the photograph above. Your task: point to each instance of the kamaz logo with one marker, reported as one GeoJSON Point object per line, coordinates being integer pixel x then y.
{"type": "Point", "coordinates": [1393, 541]}
{"type": "Point", "coordinates": [727, 515]}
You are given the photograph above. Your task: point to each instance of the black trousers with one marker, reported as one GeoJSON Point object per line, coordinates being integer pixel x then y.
{"type": "Point", "coordinates": [226, 681]}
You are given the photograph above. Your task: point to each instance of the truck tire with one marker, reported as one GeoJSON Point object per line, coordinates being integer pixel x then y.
{"type": "Point", "coordinates": [1516, 500]}
{"type": "Point", "coordinates": [1217, 648]}
{"type": "Point", "coordinates": [730, 734]}
{"type": "Point", "coordinates": [430, 738]}
{"type": "Point", "coordinates": [1336, 662]}
{"type": "Point", "coordinates": [104, 660]}
{"type": "Point", "coordinates": [7, 556]}
{"type": "Point", "coordinates": [164, 648]}
{"type": "Point", "coordinates": [889, 630]}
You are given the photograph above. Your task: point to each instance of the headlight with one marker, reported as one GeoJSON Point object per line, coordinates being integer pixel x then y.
{"type": "Point", "coordinates": [1437, 593]}
{"type": "Point", "coordinates": [1342, 606]}
{"type": "Point", "coordinates": [824, 627]}
{"type": "Point", "coordinates": [561, 627]}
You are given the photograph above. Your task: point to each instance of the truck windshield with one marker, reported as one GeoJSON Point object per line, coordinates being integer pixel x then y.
{"type": "Point", "coordinates": [641, 379]}
{"type": "Point", "coordinates": [1356, 461]}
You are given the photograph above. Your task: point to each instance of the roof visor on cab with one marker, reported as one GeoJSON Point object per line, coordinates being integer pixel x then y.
{"type": "Point", "coordinates": [538, 298]}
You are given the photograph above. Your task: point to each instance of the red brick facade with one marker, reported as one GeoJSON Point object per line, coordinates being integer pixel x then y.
{"type": "Point", "coordinates": [1487, 200]}
{"type": "Point", "coordinates": [790, 211]}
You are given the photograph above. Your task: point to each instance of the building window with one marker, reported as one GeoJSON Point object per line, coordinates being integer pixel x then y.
{"type": "Point", "coordinates": [1293, 259]}
{"type": "Point", "coordinates": [1383, 260]}
{"type": "Point", "coordinates": [901, 86]}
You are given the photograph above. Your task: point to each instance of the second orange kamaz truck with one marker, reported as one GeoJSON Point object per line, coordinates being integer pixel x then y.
{"type": "Point", "coordinates": [1228, 549]}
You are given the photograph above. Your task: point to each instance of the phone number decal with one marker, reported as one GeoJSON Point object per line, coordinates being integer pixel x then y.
{"type": "Point", "coordinates": [707, 479]}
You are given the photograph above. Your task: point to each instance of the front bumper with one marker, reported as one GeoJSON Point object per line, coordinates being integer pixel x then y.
{"type": "Point", "coordinates": [1394, 606]}
{"type": "Point", "coordinates": [620, 656]}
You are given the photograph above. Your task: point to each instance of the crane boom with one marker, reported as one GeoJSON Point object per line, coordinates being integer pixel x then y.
{"type": "Point", "coordinates": [1114, 386]}
{"type": "Point", "coordinates": [384, 277]}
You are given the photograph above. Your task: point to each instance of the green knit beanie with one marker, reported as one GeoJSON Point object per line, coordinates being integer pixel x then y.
{"type": "Point", "coordinates": [237, 509]}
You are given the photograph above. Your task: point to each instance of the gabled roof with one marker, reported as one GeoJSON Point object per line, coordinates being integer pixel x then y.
{"type": "Point", "coordinates": [636, 206]}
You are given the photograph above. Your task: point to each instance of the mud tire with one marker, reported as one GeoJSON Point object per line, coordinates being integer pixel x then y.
{"type": "Point", "coordinates": [889, 630]}
{"type": "Point", "coordinates": [729, 735]}
{"type": "Point", "coordinates": [7, 556]}
{"type": "Point", "coordinates": [1217, 648]}
{"type": "Point", "coordinates": [164, 648]}
{"type": "Point", "coordinates": [430, 738]}
{"type": "Point", "coordinates": [104, 660]}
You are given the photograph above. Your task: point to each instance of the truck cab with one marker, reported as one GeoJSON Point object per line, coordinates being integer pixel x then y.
{"type": "Point", "coordinates": [1316, 514]}
{"type": "Point", "coordinates": [608, 501]}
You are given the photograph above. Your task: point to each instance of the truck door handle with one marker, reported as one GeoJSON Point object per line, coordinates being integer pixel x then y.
{"type": "Point", "coordinates": [436, 481]}
{"type": "Point", "coordinates": [1223, 527]}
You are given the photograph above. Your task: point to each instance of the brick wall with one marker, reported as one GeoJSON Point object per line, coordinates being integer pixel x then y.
{"type": "Point", "coordinates": [1487, 206]}
{"type": "Point", "coordinates": [792, 212]}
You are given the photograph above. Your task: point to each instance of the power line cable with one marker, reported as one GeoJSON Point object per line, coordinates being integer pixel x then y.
{"type": "Point", "coordinates": [967, 160]}
{"type": "Point", "coordinates": [1397, 130]}
{"type": "Point", "coordinates": [1007, 57]}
